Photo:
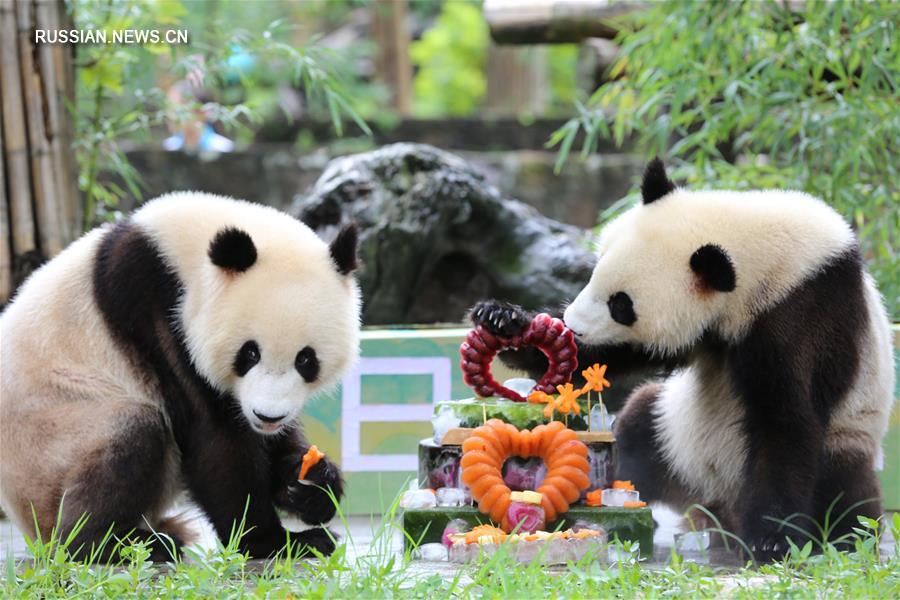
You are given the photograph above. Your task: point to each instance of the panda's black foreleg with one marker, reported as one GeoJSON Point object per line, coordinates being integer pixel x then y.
{"type": "Point", "coordinates": [230, 476]}
{"type": "Point", "coordinates": [784, 454]}
{"type": "Point", "coordinates": [309, 500]}
{"type": "Point", "coordinates": [846, 489]}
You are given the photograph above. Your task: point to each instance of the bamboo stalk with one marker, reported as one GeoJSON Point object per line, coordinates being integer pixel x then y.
{"type": "Point", "coordinates": [43, 180]}
{"type": "Point", "coordinates": [14, 136]}
{"type": "Point", "coordinates": [57, 69]}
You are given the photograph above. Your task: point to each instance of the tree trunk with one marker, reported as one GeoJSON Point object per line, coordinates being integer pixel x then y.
{"type": "Point", "coordinates": [38, 189]}
{"type": "Point", "coordinates": [392, 63]}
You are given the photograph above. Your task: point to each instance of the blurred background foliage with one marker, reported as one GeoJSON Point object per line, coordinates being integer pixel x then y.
{"type": "Point", "coordinates": [450, 59]}
{"type": "Point", "coordinates": [240, 56]}
{"type": "Point", "coordinates": [732, 94]}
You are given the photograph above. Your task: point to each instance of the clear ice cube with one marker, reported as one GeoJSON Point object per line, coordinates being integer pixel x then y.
{"type": "Point", "coordinates": [692, 542]}
{"type": "Point", "coordinates": [601, 420]}
{"type": "Point", "coordinates": [618, 497]}
{"type": "Point", "coordinates": [460, 552]}
{"type": "Point", "coordinates": [431, 552]}
{"type": "Point", "coordinates": [418, 499]}
{"type": "Point", "coordinates": [449, 496]}
{"type": "Point", "coordinates": [520, 385]}
{"type": "Point", "coordinates": [618, 553]}
{"type": "Point", "coordinates": [443, 421]}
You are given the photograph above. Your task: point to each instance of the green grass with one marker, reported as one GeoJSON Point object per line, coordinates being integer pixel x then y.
{"type": "Point", "coordinates": [377, 571]}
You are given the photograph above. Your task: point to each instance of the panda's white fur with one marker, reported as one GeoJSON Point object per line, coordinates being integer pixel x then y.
{"type": "Point", "coordinates": [70, 390]}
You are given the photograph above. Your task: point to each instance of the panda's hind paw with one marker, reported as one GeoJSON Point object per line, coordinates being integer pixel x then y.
{"type": "Point", "coordinates": [319, 539]}
{"type": "Point", "coordinates": [499, 318]}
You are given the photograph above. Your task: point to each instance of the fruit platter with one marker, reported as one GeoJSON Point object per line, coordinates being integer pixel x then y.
{"type": "Point", "coordinates": [526, 465]}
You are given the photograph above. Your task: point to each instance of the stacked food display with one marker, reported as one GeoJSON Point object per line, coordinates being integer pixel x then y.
{"type": "Point", "coordinates": [526, 465]}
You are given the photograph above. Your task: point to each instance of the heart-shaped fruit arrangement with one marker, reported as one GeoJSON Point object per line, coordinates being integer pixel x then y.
{"type": "Point", "coordinates": [546, 333]}
{"type": "Point", "coordinates": [491, 444]}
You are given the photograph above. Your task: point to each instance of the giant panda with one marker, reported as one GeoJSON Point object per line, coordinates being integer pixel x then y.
{"type": "Point", "coordinates": [777, 348]}
{"type": "Point", "coordinates": [173, 351]}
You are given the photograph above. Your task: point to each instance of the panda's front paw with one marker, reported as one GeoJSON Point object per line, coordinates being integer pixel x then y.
{"type": "Point", "coordinates": [309, 500]}
{"type": "Point", "coordinates": [499, 318]}
{"type": "Point", "coordinates": [319, 539]}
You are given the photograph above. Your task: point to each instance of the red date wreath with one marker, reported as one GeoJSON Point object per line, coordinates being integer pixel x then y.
{"type": "Point", "coordinates": [546, 333]}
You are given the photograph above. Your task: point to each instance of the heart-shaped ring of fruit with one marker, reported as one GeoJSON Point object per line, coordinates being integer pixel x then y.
{"type": "Point", "coordinates": [546, 333]}
{"type": "Point", "coordinates": [485, 451]}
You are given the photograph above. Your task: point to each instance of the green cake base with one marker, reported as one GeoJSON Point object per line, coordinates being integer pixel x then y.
{"type": "Point", "coordinates": [425, 525]}
{"type": "Point", "coordinates": [473, 412]}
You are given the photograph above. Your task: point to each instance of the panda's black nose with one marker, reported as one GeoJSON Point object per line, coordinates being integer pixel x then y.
{"type": "Point", "coordinates": [268, 419]}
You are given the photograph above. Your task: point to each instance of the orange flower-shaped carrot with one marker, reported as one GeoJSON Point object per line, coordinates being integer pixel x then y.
{"type": "Point", "coordinates": [638, 504]}
{"type": "Point", "coordinates": [310, 459]}
{"type": "Point", "coordinates": [539, 397]}
{"type": "Point", "coordinates": [623, 485]}
{"type": "Point", "coordinates": [595, 376]}
{"type": "Point", "coordinates": [594, 498]}
{"type": "Point", "coordinates": [567, 402]}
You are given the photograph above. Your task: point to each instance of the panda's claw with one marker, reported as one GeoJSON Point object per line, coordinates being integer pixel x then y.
{"type": "Point", "coordinates": [499, 318]}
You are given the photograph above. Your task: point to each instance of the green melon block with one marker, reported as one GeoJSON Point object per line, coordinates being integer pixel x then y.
{"type": "Point", "coordinates": [473, 412]}
{"type": "Point", "coordinates": [426, 525]}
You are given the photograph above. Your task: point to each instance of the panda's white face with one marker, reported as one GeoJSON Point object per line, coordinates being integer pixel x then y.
{"type": "Point", "coordinates": [270, 313]}
{"type": "Point", "coordinates": [643, 289]}
{"type": "Point", "coordinates": [285, 343]}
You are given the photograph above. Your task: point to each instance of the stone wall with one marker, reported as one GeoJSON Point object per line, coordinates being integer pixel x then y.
{"type": "Point", "coordinates": [274, 174]}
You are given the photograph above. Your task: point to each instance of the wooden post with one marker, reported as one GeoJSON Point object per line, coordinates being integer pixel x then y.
{"type": "Point", "coordinates": [35, 90]}
{"type": "Point", "coordinates": [38, 190]}
{"type": "Point", "coordinates": [15, 138]}
{"type": "Point", "coordinates": [554, 21]}
{"type": "Point", "coordinates": [517, 80]}
{"type": "Point", "coordinates": [392, 63]}
{"type": "Point", "coordinates": [57, 66]}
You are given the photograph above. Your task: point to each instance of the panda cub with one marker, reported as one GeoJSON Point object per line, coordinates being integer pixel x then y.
{"type": "Point", "coordinates": [170, 352]}
{"type": "Point", "coordinates": [778, 348]}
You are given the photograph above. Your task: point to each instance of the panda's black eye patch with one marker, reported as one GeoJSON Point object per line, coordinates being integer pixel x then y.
{"type": "Point", "coordinates": [246, 358]}
{"type": "Point", "coordinates": [307, 364]}
{"type": "Point", "coordinates": [621, 309]}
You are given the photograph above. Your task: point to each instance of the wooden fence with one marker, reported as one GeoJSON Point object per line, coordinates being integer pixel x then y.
{"type": "Point", "coordinates": [39, 201]}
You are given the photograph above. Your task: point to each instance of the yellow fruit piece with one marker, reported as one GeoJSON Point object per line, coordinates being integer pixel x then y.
{"type": "Point", "coordinates": [528, 496]}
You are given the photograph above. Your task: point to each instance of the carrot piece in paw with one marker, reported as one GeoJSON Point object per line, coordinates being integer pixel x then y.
{"type": "Point", "coordinates": [310, 459]}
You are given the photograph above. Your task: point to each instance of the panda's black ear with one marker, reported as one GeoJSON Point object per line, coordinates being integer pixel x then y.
{"type": "Point", "coordinates": [343, 249]}
{"type": "Point", "coordinates": [656, 183]}
{"type": "Point", "coordinates": [232, 250]}
{"type": "Point", "coordinates": [714, 268]}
